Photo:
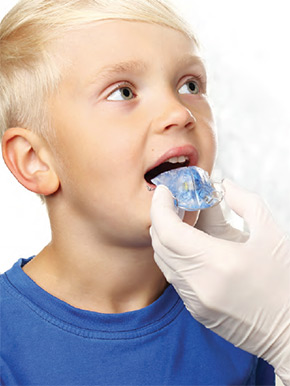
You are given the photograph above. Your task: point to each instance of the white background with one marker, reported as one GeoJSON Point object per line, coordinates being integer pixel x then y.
{"type": "Point", "coordinates": [246, 47]}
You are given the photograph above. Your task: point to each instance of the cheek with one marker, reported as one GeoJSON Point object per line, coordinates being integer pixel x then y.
{"type": "Point", "coordinates": [206, 134]}
{"type": "Point", "coordinates": [212, 144]}
{"type": "Point", "coordinates": [207, 149]}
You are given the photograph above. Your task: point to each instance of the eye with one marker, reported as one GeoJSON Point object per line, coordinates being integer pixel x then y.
{"type": "Point", "coordinates": [121, 94]}
{"type": "Point", "coordinates": [190, 86]}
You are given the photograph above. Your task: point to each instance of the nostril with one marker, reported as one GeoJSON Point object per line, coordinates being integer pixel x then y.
{"type": "Point", "coordinates": [189, 125]}
{"type": "Point", "coordinates": [170, 126]}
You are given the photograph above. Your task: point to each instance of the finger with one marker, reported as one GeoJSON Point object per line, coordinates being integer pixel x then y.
{"type": "Point", "coordinates": [210, 217]}
{"type": "Point", "coordinates": [170, 259]}
{"type": "Point", "coordinates": [177, 236]}
{"type": "Point", "coordinates": [162, 208]}
{"type": "Point", "coordinates": [247, 205]}
{"type": "Point", "coordinates": [166, 265]}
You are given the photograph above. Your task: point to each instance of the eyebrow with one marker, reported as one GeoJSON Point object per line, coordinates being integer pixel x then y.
{"type": "Point", "coordinates": [132, 66]}
{"type": "Point", "coordinates": [190, 60]}
{"type": "Point", "coordinates": [137, 67]}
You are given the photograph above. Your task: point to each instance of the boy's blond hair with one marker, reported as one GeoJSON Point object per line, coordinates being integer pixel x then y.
{"type": "Point", "coordinates": [29, 73]}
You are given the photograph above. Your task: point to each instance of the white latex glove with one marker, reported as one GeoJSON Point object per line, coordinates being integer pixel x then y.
{"type": "Point", "coordinates": [240, 290]}
{"type": "Point", "coordinates": [215, 223]}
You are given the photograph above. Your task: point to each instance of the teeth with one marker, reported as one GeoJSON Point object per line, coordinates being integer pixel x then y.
{"type": "Point", "coordinates": [180, 159]}
{"type": "Point", "coordinates": [173, 160]}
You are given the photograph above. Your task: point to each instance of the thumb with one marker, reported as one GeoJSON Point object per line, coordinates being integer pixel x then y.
{"type": "Point", "coordinates": [168, 228]}
{"type": "Point", "coordinates": [163, 201]}
{"type": "Point", "coordinates": [164, 218]}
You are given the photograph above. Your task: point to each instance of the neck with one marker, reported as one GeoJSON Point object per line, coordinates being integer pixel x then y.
{"type": "Point", "coordinates": [101, 278]}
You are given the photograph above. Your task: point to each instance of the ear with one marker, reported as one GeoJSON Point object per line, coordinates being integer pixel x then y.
{"type": "Point", "coordinates": [28, 157]}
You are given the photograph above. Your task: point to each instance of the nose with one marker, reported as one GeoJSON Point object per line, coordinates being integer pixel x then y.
{"type": "Point", "coordinates": [173, 115]}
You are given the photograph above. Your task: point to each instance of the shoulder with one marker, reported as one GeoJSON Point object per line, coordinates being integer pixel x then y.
{"type": "Point", "coordinates": [5, 292]}
{"type": "Point", "coordinates": [11, 297]}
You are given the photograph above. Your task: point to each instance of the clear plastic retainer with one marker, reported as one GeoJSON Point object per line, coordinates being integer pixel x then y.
{"type": "Point", "coordinates": [191, 188]}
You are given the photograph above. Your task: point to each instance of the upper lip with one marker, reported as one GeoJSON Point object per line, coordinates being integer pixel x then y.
{"type": "Point", "coordinates": [186, 150]}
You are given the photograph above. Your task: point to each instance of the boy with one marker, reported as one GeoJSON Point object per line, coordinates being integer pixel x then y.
{"type": "Point", "coordinates": [96, 96]}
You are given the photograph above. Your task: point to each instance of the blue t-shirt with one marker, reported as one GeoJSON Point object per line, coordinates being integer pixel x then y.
{"type": "Point", "coordinates": [45, 341]}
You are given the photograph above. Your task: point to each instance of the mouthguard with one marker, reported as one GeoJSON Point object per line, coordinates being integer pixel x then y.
{"type": "Point", "coordinates": [191, 188]}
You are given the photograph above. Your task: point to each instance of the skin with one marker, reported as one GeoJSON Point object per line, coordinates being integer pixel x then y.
{"type": "Point", "coordinates": [100, 257]}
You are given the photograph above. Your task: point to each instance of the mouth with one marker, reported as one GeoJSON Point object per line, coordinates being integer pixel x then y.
{"type": "Point", "coordinates": [174, 158]}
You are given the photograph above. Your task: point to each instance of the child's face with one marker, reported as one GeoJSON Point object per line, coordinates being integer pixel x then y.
{"type": "Point", "coordinates": [133, 92]}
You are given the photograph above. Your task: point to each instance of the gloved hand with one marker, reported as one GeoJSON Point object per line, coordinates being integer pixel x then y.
{"type": "Point", "coordinates": [240, 290]}
{"type": "Point", "coordinates": [214, 222]}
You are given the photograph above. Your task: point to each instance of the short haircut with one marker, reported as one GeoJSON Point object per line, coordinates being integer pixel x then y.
{"type": "Point", "coordinates": [29, 73]}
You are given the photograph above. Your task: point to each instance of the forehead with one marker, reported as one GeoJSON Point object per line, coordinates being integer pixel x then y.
{"type": "Point", "coordinates": [124, 46]}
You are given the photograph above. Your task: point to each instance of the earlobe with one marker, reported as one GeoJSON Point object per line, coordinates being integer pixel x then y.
{"type": "Point", "coordinates": [29, 160]}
